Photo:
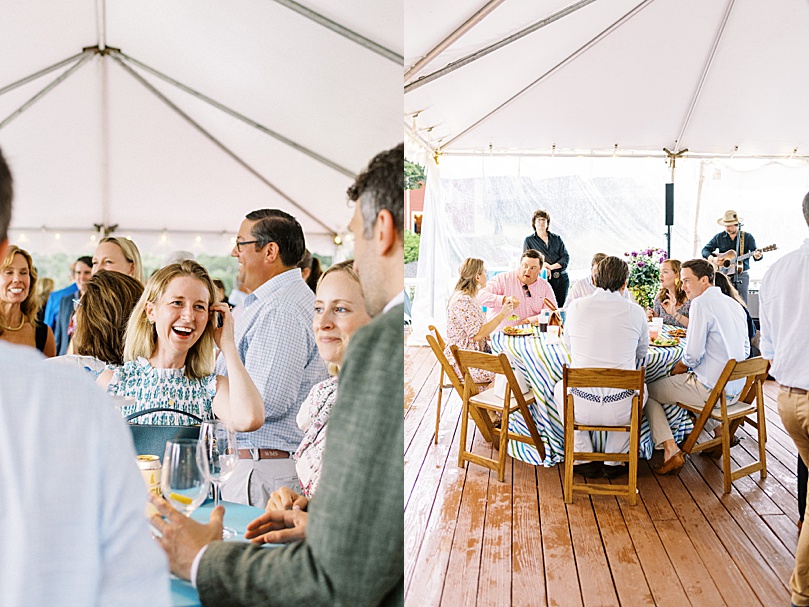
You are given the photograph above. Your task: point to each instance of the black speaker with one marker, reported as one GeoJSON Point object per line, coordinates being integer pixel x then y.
{"type": "Point", "coordinates": [669, 204]}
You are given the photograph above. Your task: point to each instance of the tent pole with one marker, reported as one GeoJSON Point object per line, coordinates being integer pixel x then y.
{"type": "Point", "coordinates": [496, 46]}
{"type": "Point", "coordinates": [105, 142]}
{"type": "Point", "coordinates": [604, 33]}
{"type": "Point", "coordinates": [219, 144]}
{"type": "Point", "coordinates": [245, 119]}
{"type": "Point", "coordinates": [343, 31]}
{"type": "Point", "coordinates": [703, 77]}
{"type": "Point", "coordinates": [35, 75]}
{"type": "Point", "coordinates": [46, 90]}
{"type": "Point", "coordinates": [449, 40]}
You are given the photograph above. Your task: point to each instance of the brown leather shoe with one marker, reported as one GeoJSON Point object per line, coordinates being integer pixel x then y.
{"type": "Point", "coordinates": [673, 464]}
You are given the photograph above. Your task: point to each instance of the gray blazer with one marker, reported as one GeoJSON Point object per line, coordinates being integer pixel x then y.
{"type": "Point", "coordinates": [354, 548]}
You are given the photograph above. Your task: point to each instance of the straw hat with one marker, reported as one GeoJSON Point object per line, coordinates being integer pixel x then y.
{"type": "Point", "coordinates": [730, 218]}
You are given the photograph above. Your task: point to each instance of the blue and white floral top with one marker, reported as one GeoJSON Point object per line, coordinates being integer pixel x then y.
{"type": "Point", "coordinates": [153, 388]}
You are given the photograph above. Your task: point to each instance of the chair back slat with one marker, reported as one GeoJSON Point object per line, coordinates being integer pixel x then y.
{"type": "Point", "coordinates": [477, 360]}
{"type": "Point", "coordinates": [442, 344]}
{"type": "Point", "coordinates": [625, 379]}
{"type": "Point", "coordinates": [444, 362]}
{"type": "Point", "coordinates": [749, 368]}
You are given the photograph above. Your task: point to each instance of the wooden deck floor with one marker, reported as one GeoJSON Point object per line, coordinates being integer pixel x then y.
{"type": "Point", "coordinates": [470, 540]}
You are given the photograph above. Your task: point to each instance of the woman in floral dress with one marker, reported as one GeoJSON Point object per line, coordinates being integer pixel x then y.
{"type": "Point", "coordinates": [466, 324]}
{"type": "Point", "coordinates": [671, 302]}
{"type": "Point", "coordinates": [169, 355]}
{"type": "Point", "coordinates": [339, 312]}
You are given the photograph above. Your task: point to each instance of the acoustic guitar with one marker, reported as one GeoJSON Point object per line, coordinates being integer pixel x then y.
{"type": "Point", "coordinates": [728, 263]}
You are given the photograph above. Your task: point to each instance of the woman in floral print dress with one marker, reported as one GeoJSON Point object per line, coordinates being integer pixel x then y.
{"type": "Point", "coordinates": [466, 324]}
{"type": "Point", "coordinates": [339, 312]}
{"type": "Point", "coordinates": [169, 355]}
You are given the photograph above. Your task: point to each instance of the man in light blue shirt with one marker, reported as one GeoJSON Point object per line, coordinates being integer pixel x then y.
{"type": "Point", "coordinates": [72, 505]}
{"type": "Point", "coordinates": [784, 309]}
{"type": "Point", "coordinates": [717, 332]}
{"type": "Point", "coordinates": [277, 345]}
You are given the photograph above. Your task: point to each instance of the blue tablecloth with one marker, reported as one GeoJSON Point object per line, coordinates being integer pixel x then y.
{"type": "Point", "coordinates": [541, 364]}
{"type": "Point", "coordinates": [237, 516]}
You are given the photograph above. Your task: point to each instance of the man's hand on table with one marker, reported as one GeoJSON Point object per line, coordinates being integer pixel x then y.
{"type": "Point", "coordinates": [278, 527]}
{"type": "Point", "coordinates": [182, 538]}
{"type": "Point", "coordinates": [286, 499]}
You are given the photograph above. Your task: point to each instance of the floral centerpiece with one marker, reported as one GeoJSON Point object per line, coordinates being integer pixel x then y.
{"type": "Point", "coordinates": [644, 274]}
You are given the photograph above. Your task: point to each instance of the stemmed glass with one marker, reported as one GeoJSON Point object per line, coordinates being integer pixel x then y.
{"type": "Point", "coordinates": [185, 476]}
{"type": "Point", "coordinates": [219, 441]}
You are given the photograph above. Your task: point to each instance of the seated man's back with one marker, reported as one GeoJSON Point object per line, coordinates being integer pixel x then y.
{"type": "Point", "coordinates": [72, 512]}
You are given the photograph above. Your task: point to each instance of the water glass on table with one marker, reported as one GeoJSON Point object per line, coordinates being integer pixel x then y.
{"type": "Point", "coordinates": [185, 476]}
{"type": "Point", "coordinates": [219, 441]}
{"type": "Point", "coordinates": [655, 327]}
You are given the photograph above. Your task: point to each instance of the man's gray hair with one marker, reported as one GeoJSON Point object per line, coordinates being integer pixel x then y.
{"type": "Point", "coordinates": [381, 187]}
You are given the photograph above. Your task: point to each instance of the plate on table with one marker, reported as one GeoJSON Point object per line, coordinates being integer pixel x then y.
{"type": "Point", "coordinates": [665, 342]}
{"type": "Point", "coordinates": [521, 331]}
{"type": "Point", "coordinates": [677, 332]}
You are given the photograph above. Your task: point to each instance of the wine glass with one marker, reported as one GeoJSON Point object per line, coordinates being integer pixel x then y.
{"type": "Point", "coordinates": [219, 440]}
{"type": "Point", "coordinates": [185, 477]}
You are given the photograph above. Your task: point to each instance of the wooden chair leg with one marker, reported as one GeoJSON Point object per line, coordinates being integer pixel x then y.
{"type": "Point", "coordinates": [438, 407]}
{"type": "Point", "coordinates": [568, 480]}
{"type": "Point", "coordinates": [762, 431]}
{"type": "Point", "coordinates": [464, 424]}
{"type": "Point", "coordinates": [726, 455]}
{"type": "Point", "coordinates": [503, 441]}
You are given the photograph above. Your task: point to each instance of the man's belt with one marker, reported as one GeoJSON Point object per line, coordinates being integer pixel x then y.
{"type": "Point", "coordinates": [792, 390]}
{"type": "Point", "coordinates": [263, 454]}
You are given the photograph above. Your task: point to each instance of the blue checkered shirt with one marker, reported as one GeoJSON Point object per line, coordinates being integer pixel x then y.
{"type": "Point", "coordinates": [277, 345]}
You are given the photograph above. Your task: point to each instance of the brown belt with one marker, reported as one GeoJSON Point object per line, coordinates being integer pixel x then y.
{"type": "Point", "coordinates": [263, 454]}
{"type": "Point", "coordinates": [793, 390]}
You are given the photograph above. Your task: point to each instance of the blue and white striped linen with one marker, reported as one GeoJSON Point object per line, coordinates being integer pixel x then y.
{"type": "Point", "coordinates": [541, 363]}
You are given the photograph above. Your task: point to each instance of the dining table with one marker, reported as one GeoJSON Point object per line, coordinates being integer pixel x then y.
{"type": "Point", "coordinates": [539, 358]}
{"type": "Point", "coordinates": [237, 517]}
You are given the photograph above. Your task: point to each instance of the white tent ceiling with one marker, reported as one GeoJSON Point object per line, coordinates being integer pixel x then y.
{"type": "Point", "coordinates": [101, 148]}
{"type": "Point", "coordinates": [717, 78]}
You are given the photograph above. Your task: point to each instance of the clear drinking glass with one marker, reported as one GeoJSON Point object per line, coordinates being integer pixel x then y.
{"type": "Point", "coordinates": [185, 476]}
{"type": "Point", "coordinates": [219, 441]}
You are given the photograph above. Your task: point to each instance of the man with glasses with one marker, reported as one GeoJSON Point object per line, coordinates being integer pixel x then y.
{"type": "Point", "coordinates": [523, 287]}
{"type": "Point", "coordinates": [277, 345]}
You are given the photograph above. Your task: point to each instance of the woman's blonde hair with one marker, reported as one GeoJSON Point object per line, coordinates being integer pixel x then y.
{"type": "Point", "coordinates": [131, 253]}
{"type": "Point", "coordinates": [347, 268]}
{"type": "Point", "coordinates": [141, 335]}
{"type": "Point", "coordinates": [676, 266]}
{"type": "Point", "coordinates": [30, 305]}
{"type": "Point", "coordinates": [469, 270]}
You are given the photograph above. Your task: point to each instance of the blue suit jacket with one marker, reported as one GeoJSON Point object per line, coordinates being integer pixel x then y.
{"type": "Point", "coordinates": [62, 322]}
{"type": "Point", "coordinates": [54, 299]}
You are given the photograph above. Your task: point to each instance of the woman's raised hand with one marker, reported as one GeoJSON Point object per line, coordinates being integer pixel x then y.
{"type": "Point", "coordinates": [226, 330]}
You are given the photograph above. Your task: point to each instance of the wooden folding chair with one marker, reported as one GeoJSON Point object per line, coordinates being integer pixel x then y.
{"type": "Point", "coordinates": [754, 371]}
{"type": "Point", "coordinates": [437, 345]}
{"type": "Point", "coordinates": [482, 403]}
{"type": "Point", "coordinates": [603, 378]}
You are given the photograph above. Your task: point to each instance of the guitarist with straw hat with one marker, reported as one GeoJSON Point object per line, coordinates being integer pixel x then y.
{"type": "Point", "coordinates": [732, 244]}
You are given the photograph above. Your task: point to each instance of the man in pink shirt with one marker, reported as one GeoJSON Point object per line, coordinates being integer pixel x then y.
{"type": "Point", "coordinates": [523, 287]}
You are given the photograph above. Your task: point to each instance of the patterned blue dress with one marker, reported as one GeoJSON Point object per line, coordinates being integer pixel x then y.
{"type": "Point", "coordinates": [151, 388]}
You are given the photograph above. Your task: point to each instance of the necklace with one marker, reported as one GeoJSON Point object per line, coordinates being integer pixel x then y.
{"type": "Point", "coordinates": [22, 324]}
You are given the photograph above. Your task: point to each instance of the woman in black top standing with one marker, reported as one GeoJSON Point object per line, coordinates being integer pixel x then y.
{"type": "Point", "coordinates": [553, 248]}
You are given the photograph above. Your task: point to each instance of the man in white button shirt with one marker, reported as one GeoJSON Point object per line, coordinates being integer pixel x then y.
{"type": "Point", "coordinates": [784, 309]}
{"type": "Point", "coordinates": [717, 332]}
{"type": "Point", "coordinates": [604, 330]}
{"type": "Point", "coordinates": [586, 286]}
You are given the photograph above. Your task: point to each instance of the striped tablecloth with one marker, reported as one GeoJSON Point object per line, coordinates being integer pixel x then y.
{"type": "Point", "coordinates": [541, 364]}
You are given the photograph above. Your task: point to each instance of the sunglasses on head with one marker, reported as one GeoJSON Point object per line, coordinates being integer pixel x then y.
{"type": "Point", "coordinates": [527, 290]}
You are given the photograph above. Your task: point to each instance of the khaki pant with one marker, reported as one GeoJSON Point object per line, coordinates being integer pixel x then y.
{"type": "Point", "coordinates": [794, 411]}
{"type": "Point", "coordinates": [682, 388]}
{"type": "Point", "coordinates": [253, 481]}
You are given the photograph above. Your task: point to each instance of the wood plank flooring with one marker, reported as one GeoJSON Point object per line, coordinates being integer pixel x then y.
{"type": "Point", "coordinates": [471, 540]}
